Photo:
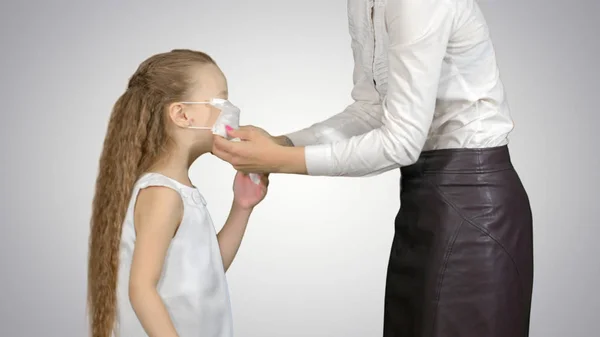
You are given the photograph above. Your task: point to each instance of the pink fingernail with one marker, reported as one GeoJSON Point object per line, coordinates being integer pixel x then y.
{"type": "Point", "coordinates": [228, 128]}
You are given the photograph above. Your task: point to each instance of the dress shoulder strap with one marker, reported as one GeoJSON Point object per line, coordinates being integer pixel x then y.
{"type": "Point", "coordinates": [188, 194]}
{"type": "Point", "coordinates": [157, 179]}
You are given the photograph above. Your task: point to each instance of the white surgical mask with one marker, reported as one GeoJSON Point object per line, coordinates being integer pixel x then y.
{"type": "Point", "coordinates": [229, 116]}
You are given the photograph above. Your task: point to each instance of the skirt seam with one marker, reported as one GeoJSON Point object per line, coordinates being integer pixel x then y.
{"type": "Point", "coordinates": [482, 230]}
{"type": "Point", "coordinates": [445, 266]}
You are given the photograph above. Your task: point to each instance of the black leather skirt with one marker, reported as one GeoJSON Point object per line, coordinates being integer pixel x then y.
{"type": "Point", "coordinates": [461, 263]}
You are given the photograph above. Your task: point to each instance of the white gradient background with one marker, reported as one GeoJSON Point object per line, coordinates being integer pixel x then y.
{"type": "Point", "coordinates": [314, 259]}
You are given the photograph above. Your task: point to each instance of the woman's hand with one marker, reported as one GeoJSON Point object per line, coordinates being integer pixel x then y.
{"type": "Point", "coordinates": [258, 152]}
{"type": "Point", "coordinates": [247, 194]}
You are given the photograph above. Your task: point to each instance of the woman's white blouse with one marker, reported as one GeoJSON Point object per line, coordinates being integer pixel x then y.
{"type": "Point", "coordinates": [425, 78]}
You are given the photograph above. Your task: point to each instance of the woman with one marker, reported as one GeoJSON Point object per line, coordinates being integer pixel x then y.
{"type": "Point", "coordinates": [428, 99]}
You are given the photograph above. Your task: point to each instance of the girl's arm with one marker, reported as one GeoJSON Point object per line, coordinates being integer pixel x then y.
{"type": "Point", "coordinates": [231, 235]}
{"type": "Point", "coordinates": [158, 213]}
{"type": "Point", "coordinates": [246, 195]}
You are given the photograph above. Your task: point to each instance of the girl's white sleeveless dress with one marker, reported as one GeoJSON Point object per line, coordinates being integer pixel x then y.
{"type": "Point", "coordinates": [193, 284]}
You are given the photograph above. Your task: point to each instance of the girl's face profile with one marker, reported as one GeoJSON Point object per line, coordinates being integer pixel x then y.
{"type": "Point", "coordinates": [210, 82]}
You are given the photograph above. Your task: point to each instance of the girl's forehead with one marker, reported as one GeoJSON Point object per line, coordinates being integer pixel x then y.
{"type": "Point", "coordinates": [211, 80]}
{"type": "Point", "coordinates": [210, 83]}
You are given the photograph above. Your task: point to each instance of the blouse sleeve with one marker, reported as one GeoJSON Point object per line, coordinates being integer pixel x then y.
{"type": "Point", "coordinates": [363, 115]}
{"type": "Point", "coordinates": [419, 31]}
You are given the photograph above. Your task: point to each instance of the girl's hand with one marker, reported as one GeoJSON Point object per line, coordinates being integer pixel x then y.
{"type": "Point", "coordinates": [247, 194]}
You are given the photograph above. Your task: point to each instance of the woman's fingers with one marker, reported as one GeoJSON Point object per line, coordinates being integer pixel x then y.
{"type": "Point", "coordinates": [227, 150]}
{"type": "Point", "coordinates": [250, 155]}
{"type": "Point", "coordinates": [243, 133]}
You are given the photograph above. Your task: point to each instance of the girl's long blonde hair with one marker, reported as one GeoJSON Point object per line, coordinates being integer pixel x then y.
{"type": "Point", "coordinates": [135, 139]}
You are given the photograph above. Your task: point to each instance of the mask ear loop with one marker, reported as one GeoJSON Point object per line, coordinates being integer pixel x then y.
{"type": "Point", "coordinates": [198, 103]}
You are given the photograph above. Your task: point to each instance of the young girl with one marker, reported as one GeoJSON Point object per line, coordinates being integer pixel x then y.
{"type": "Point", "coordinates": [156, 265]}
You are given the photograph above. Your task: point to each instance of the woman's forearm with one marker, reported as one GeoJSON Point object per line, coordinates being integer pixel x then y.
{"type": "Point", "coordinates": [231, 235]}
{"type": "Point", "coordinates": [291, 160]}
{"type": "Point", "coordinates": [151, 311]}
